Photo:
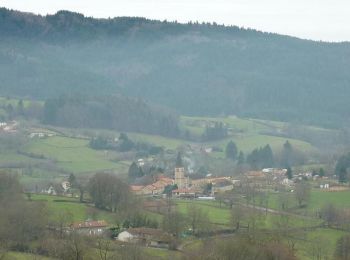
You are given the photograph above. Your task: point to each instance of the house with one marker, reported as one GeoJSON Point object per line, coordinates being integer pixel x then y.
{"type": "Point", "coordinates": [90, 228]}
{"type": "Point", "coordinates": [54, 189]}
{"type": "Point", "coordinates": [222, 185]}
{"type": "Point", "coordinates": [51, 191]}
{"type": "Point", "coordinates": [155, 188]}
{"type": "Point", "coordinates": [65, 185]}
{"type": "Point", "coordinates": [184, 193]}
{"type": "Point", "coordinates": [287, 182]}
{"type": "Point", "coordinates": [146, 236]}
{"type": "Point", "coordinates": [137, 189]}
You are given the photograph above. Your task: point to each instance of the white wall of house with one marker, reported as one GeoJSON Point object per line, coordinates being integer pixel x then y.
{"type": "Point", "coordinates": [125, 236]}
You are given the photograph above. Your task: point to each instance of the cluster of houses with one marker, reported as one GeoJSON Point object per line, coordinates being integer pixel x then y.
{"type": "Point", "coordinates": [185, 186]}
{"type": "Point", "coordinates": [151, 237]}
{"type": "Point", "coordinates": [57, 189]}
{"type": "Point", "coordinates": [8, 127]}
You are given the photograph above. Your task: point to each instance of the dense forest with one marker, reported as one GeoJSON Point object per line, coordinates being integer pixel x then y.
{"type": "Point", "coordinates": [113, 112]}
{"type": "Point", "coordinates": [196, 69]}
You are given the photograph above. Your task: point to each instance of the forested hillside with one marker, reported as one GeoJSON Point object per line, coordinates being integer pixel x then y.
{"type": "Point", "coordinates": [114, 112]}
{"type": "Point", "coordinates": [197, 69]}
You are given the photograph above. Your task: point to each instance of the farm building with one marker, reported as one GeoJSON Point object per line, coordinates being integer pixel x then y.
{"type": "Point", "coordinates": [90, 228]}
{"type": "Point", "coordinates": [146, 236]}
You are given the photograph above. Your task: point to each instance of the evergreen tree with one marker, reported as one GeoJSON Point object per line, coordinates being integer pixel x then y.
{"type": "Point", "coordinates": [124, 143]}
{"type": "Point", "coordinates": [240, 159]}
{"type": "Point", "coordinates": [322, 172]}
{"type": "Point", "coordinates": [289, 173]}
{"type": "Point", "coordinates": [341, 168]}
{"type": "Point", "coordinates": [20, 107]}
{"type": "Point", "coordinates": [287, 154]}
{"type": "Point", "coordinates": [134, 172]}
{"type": "Point", "coordinates": [267, 157]}
{"type": "Point", "coordinates": [231, 151]}
{"type": "Point", "coordinates": [72, 180]}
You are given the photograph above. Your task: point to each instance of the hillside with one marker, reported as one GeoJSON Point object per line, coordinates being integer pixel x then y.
{"type": "Point", "coordinates": [193, 68]}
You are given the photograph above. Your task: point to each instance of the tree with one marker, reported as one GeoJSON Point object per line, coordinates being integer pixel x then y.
{"type": "Point", "coordinates": [341, 168]}
{"type": "Point", "coordinates": [124, 143]}
{"type": "Point", "coordinates": [72, 180]}
{"type": "Point", "coordinates": [173, 223]}
{"type": "Point", "coordinates": [197, 219]}
{"type": "Point", "coordinates": [321, 172]}
{"type": "Point", "coordinates": [231, 151]}
{"type": "Point", "coordinates": [238, 214]}
{"type": "Point", "coordinates": [20, 108]}
{"type": "Point", "coordinates": [329, 213]}
{"type": "Point", "coordinates": [289, 173]}
{"type": "Point", "coordinates": [286, 157]}
{"type": "Point", "coordinates": [240, 159]}
{"type": "Point", "coordinates": [21, 221]}
{"type": "Point", "coordinates": [109, 192]}
{"type": "Point", "coordinates": [302, 192]}
{"type": "Point", "coordinates": [342, 251]}
{"type": "Point", "coordinates": [134, 172]}
{"type": "Point", "coordinates": [267, 159]}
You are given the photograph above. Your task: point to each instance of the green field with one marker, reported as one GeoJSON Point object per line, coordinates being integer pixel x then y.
{"type": "Point", "coordinates": [320, 239]}
{"type": "Point", "coordinates": [79, 211]}
{"type": "Point", "coordinates": [218, 216]}
{"type": "Point", "coordinates": [248, 134]}
{"type": "Point", "coordinates": [247, 143]}
{"type": "Point", "coordinates": [73, 154]}
{"type": "Point", "coordinates": [318, 199]}
{"type": "Point", "coordinates": [24, 256]}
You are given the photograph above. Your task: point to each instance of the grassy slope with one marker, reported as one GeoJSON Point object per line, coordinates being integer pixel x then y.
{"type": "Point", "coordinates": [73, 154]}
{"type": "Point", "coordinates": [248, 134]}
{"type": "Point", "coordinates": [317, 200]}
{"type": "Point", "coordinates": [80, 211]}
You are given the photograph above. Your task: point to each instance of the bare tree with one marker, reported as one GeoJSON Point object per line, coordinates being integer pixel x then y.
{"type": "Point", "coordinates": [104, 248]}
{"type": "Point", "coordinates": [238, 214]}
{"type": "Point", "coordinates": [197, 219]}
{"type": "Point", "coordinates": [302, 193]}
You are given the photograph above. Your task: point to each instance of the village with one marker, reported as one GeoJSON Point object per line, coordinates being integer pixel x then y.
{"type": "Point", "coordinates": [180, 186]}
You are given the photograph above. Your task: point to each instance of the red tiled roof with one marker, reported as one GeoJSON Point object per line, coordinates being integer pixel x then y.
{"type": "Point", "coordinates": [90, 224]}
{"type": "Point", "coordinates": [136, 187]}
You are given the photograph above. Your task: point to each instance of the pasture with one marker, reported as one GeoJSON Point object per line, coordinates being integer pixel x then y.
{"type": "Point", "coordinates": [73, 154]}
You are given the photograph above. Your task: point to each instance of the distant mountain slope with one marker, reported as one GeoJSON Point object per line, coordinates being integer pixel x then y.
{"type": "Point", "coordinates": [196, 69]}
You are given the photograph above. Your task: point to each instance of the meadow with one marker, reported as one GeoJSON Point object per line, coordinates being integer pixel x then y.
{"type": "Point", "coordinates": [318, 199]}
{"type": "Point", "coordinates": [73, 154]}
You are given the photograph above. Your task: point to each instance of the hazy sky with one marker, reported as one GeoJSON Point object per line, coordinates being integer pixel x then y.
{"type": "Point", "coordinates": [327, 20]}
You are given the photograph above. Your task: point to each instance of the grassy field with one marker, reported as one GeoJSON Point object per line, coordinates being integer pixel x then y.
{"type": "Point", "coordinates": [218, 216]}
{"type": "Point", "coordinates": [247, 143]}
{"type": "Point", "coordinates": [248, 134]}
{"type": "Point", "coordinates": [320, 239]}
{"type": "Point", "coordinates": [241, 125]}
{"type": "Point", "coordinates": [78, 211]}
{"type": "Point", "coordinates": [318, 199]}
{"type": "Point", "coordinates": [73, 154]}
{"type": "Point", "coordinates": [166, 142]}
{"type": "Point", "coordinates": [24, 256]}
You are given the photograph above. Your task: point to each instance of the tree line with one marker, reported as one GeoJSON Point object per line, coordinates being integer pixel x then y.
{"type": "Point", "coordinates": [263, 157]}
{"type": "Point", "coordinates": [113, 112]}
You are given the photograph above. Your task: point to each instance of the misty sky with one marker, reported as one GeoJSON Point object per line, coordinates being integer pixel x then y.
{"type": "Point", "coordinates": [327, 20]}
